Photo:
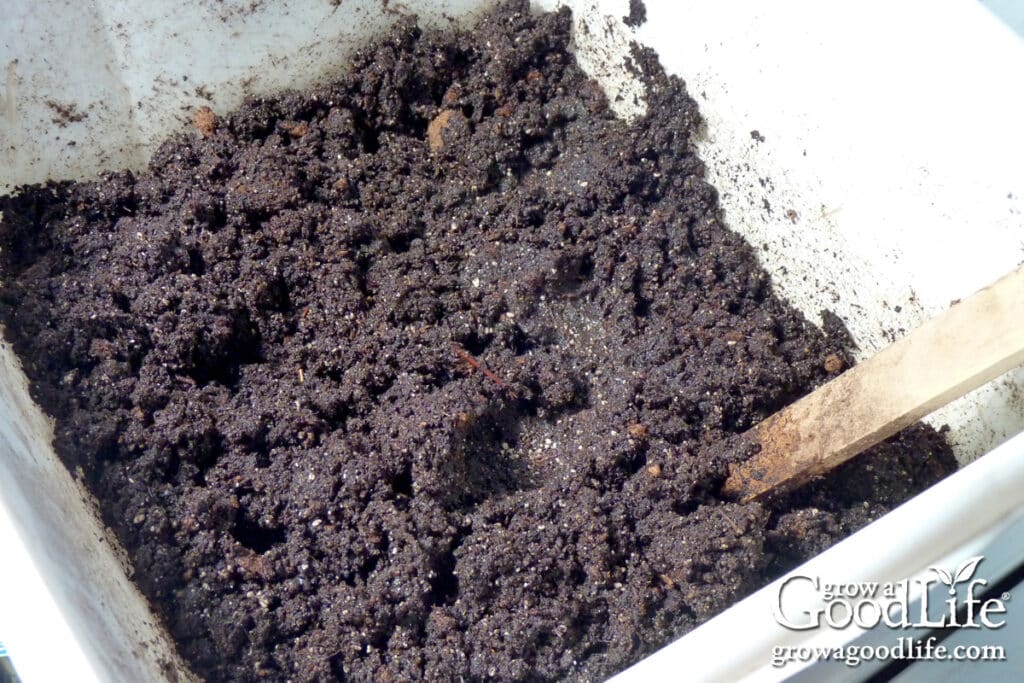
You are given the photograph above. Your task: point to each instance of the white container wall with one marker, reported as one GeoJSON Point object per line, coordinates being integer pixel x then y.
{"type": "Point", "coordinates": [871, 151]}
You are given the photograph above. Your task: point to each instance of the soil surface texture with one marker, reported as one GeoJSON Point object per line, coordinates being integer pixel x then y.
{"type": "Point", "coordinates": [427, 374]}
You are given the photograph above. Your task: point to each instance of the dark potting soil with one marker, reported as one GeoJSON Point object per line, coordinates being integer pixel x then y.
{"type": "Point", "coordinates": [425, 375]}
{"type": "Point", "coordinates": [637, 14]}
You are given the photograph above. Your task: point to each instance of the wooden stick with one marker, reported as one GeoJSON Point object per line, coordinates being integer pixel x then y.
{"type": "Point", "coordinates": [973, 342]}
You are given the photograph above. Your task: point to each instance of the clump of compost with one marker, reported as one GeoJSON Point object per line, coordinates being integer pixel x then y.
{"type": "Point", "coordinates": [426, 374]}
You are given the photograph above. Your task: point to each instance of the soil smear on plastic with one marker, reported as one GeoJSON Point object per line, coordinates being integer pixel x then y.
{"type": "Point", "coordinates": [425, 375]}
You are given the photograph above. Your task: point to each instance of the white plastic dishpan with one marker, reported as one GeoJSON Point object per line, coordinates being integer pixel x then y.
{"type": "Point", "coordinates": [884, 180]}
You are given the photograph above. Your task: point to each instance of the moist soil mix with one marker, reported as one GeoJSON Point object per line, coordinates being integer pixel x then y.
{"type": "Point", "coordinates": [430, 373]}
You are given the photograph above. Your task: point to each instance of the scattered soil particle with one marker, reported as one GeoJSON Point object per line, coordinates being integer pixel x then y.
{"type": "Point", "coordinates": [834, 363]}
{"type": "Point", "coordinates": [65, 113]}
{"type": "Point", "coordinates": [250, 348]}
{"type": "Point", "coordinates": [440, 123]}
{"type": "Point", "coordinates": [637, 431]}
{"type": "Point", "coordinates": [296, 130]}
{"type": "Point", "coordinates": [205, 121]}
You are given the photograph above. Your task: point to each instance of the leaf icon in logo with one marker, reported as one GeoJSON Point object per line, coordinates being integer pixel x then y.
{"type": "Point", "coordinates": [944, 576]}
{"type": "Point", "coordinates": [963, 573]}
{"type": "Point", "coordinates": [966, 570]}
